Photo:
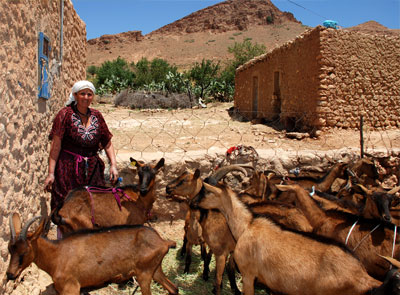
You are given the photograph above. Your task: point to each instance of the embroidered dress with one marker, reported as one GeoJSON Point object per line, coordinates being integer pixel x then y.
{"type": "Point", "coordinates": [78, 163]}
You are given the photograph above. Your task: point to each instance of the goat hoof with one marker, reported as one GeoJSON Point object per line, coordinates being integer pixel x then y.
{"type": "Point", "coordinates": [205, 276]}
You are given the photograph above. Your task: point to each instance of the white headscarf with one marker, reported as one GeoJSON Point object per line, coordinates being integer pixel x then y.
{"type": "Point", "coordinates": [78, 86]}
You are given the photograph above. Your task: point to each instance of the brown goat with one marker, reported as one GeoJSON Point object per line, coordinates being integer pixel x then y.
{"type": "Point", "coordinates": [366, 171]}
{"type": "Point", "coordinates": [283, 213]}
{"type": "Point", "coordinates": [91, 258]}
{"type": "Point", "coordinates": [362, 239]}
{"type": "Point", "coordinates": [374, 202]}
{"type": "Point", "coordinates": [193, 236]}
{"type": "Point", "coordinates": [88, 207]}
{"type": "Point", "coordinates": [322, 184]}
{"type": "Point", "coordinates": [286, 261]}
{"type": "Point", "coordinates": [215, 231]}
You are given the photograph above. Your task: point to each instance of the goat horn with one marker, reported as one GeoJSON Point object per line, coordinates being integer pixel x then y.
{"type": "Point", "coordinates": [392, 261]}
{"type": "Point", "coordinates": [394, 190]}
{"type": "Point", "coordinates": [221, 172]}
{"type": "Point", "coordinates": [246, 166]}
{"type": "Point", "coordinates": [24, 230]}
{"type": "Point", "coordinates": [12, 229]}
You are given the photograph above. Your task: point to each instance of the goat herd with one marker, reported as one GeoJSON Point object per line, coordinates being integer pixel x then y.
{"type": "Point", "coordinates": [290, 234]}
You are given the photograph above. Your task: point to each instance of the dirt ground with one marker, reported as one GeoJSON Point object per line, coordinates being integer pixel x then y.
{"type": "Point", "coordinates": [191, 135]}
{"type": "Point", "coordinates": [177, 134]}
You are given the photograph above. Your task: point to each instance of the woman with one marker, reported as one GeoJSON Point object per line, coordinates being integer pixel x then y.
{"type": "Point", "coordinates": [77, 135]}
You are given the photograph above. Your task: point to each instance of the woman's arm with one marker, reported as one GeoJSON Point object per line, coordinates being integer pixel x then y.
{"type": "Point", "coordinates": [113, 162]}
{"type": "Point", "coordinates": [55, 149]}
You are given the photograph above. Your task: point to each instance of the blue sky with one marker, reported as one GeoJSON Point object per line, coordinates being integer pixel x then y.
{"type": "Point", "coordinates": [117, 16]}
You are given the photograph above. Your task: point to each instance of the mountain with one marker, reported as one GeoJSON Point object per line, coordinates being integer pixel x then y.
{"type": "Point", "coordinates": [373, 27]}
{"type": "Point", "coordinates": [206, 33]}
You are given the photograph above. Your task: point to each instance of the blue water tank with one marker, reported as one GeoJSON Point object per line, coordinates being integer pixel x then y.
{"type": "Point", "coordinates": [330, 24]}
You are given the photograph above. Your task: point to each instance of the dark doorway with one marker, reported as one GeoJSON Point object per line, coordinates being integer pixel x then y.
{"type": "Point", "coordinates": [254, 108]}
{"type": "Point", "coordinates": [276, 97]}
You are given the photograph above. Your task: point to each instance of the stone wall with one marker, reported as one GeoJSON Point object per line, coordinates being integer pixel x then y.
{"type": "Point", "coordinates": [325, 78]}
{"type": "Point", "coordinates": [360, 76]}
{"type": "Point", "coordinates": [288, 80]}
{"type": "Point", "coordinates": [25, 120]}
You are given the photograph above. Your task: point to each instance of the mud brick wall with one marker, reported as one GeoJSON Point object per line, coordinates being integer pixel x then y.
{"type": "Point", "coordinates": [360, 76]}
{"type": "Point", "coordinates": [25, 120]}
{"type": "Point", "coordinates": [324, 78]}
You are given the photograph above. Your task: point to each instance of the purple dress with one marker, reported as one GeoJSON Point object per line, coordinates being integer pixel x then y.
{"type": "Point", "coordinates": [78, 163]}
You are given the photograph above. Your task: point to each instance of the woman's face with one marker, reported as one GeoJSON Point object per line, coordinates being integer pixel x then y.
{"type": "Point", "coordinates": [84, 98]}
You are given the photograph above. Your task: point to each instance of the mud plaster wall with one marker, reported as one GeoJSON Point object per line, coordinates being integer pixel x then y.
{"type": "Point", "coordinates": [360, 76]}
{"type": "Point", "coordinates": [25, 120]}
{"type": "Point", "coordinates": [327, 78]}
{"type": "Point", "coordinates": [296, 87]}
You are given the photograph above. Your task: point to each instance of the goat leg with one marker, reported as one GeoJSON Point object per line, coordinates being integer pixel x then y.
{"type": "Point", "coordinates": [188, 259]}
{"type": "Point", "coordinates": [206, 260]}
{"type": "Point", "coordinates": [220, 262]}
{"type": "Point", "coordinates": [248, 284]}
{"type": "Point", "coordinates": [162, 279]}
{"type": "Point", "coordinates": [183, 249]}
{"type": "Point", "coordinates": [230, 269]}
{"type": "Point", "coordinates": [144, 280]}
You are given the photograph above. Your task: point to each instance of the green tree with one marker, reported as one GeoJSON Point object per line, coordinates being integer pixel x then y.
{"type": "Point", "coordinates": [115, 73]}
{"type": "Point", "coordinates": [159, 69]}
{"type": "Point", "coordinates": [142, 71]}
{"type": "Point", "coordinates": [203, 74]}
{"type": "Point", "coordinates": [242, 53]}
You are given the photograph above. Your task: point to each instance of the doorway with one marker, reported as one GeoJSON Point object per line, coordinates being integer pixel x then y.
{"type": "Point", "coordinates": [276, 97]}
{"type": "Point", "coordinates": [254, 108]}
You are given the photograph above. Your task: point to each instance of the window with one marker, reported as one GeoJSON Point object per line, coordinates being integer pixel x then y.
{"type": "Point", "coordinates": [43, 63]}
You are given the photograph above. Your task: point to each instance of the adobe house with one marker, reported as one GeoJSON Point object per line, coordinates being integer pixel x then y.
{"type": "Point", "coordinates": [43, 52]}
{"type": "Point", "coordinates": [324, 78]}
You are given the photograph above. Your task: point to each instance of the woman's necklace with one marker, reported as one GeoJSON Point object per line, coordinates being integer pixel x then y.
{"type": "Point", "coordinates": [85, 115]}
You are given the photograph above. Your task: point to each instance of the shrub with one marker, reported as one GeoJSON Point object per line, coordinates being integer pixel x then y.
{"type": "Point", "coordinates": [91, 70]}
{"type": "Point", "coordinates": [152, 100]}
{"type": "Point", "coordinates": [112, 75]}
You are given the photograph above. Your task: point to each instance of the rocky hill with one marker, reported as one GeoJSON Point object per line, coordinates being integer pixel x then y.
{"type": "Point", "coordinates": [373, 27]}
{"type": "Point", "coordinates": [206, 33]}
{"type": "Point", "coordinates": [231, 15]}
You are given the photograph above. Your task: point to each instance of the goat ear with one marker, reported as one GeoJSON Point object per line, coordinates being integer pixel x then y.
{"type": "Point", "coordinates": [282, 187]}
{"type": "Point", "coordinates": [196, 174]}
{"type": "Point", "coordinates": [15, 224]}
{"type": "Point", "coordinates": [392, 261]}
{"type": "Point", "coordinates": [160, 164]}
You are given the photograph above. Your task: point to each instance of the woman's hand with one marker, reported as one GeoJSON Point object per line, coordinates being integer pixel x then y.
{"type": "Point", "coordinates": [113, 174]}
{"type": "Point", "coordinates": [48, 182]}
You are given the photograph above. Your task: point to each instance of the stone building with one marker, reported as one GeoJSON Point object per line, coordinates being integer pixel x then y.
{"type": "Point", "coordinates": [43, 52]}
{"type": "Point", "coordinates": [324, 78]}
